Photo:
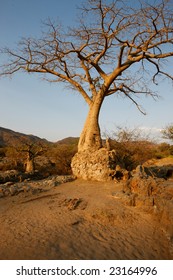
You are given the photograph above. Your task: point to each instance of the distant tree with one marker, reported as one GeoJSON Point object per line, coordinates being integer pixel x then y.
{"type": "Point", "coordinates": [167, 132]}
{"type": "Point", "coordinates": [32, 151]}
{"type": "Point", "coordinates": [115, 48]}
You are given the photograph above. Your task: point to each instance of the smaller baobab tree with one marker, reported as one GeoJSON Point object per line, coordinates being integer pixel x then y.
{"type": "Point", "coordinates": [32, 150]}
{"type": "Point", "coordinates": [115, 49]}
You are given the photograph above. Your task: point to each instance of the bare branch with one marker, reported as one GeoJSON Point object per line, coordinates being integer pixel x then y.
{"type": "Point", "coordinates": [133, 100]}
{"type": "Point", "coordinates": [158, 71]}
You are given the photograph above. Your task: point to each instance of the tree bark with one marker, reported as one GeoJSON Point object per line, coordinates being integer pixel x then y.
{"type": "Point", "coordinates": [30, 166]}
{"type": "Point", "coordinates": [90, 138]}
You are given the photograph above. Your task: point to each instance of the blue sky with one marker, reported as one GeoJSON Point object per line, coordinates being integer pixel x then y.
{"type": "Point", "coordinates": [50, 111]}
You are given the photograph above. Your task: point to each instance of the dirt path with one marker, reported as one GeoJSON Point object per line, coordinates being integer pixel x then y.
{"type": "Point", "coordinates": [78, 220]}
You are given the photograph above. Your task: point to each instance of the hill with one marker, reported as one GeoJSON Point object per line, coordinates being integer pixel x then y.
{"type": "Point", "coordinates": [47, 157]}
{"type": "Point", "coordinates": [68, 141]}
{"type": "Point", "coordinates": [12, 138]}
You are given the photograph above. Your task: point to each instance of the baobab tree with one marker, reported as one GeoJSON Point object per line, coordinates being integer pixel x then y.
{"type": "Point", "coordinates": [115, 49]}
{"type": "Point", "coordinates": [32, 151]}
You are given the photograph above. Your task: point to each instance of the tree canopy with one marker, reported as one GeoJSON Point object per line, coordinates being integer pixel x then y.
{"type": "Point", "coordinates": [110, 37]}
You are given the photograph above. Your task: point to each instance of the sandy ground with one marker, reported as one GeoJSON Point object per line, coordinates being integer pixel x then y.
{"type": "Point", "coordinates": [78, 220]}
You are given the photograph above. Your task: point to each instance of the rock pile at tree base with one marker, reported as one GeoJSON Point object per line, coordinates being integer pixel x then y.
{"type": "Point", "coordinates": [100, 165]}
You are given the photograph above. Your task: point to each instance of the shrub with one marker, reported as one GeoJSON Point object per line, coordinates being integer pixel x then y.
{"type": "Point", "coordinates": [132, 147]}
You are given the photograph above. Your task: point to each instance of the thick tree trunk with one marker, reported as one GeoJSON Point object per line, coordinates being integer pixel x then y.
{"type": "Point", "coordinates": [93, 162]}
{"type": "Point", "coordinates": [29, 166]}
{"type": "Point", "coordinates": [90, 138]}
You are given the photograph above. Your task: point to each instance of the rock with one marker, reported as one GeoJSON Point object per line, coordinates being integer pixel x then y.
{"type": "Point", "coordinates": [127, 198]}
{"type": "Point", "coordinates": [142, 172]}
{"type": "Point", "coordinates": [164, 171]}
{"type": "Point", "coordinates": [95, 165]}
{"type": "Point", "coordinates": [9, 175]}
{"type": "Point", "coordinates": [149, 189]}
{"type": "Point", "coordinates": [54, 181]}
{"type": "Point", "coordinates": [120, 174]}
{"type": "Point", "coordinates": [7, 184]}
{"type": "Point", "coordinates": [34, 187]}
{"type": "Point", "coordinates": [25, 188]}
{"type": "Point", "coordinates": [6, 192]}
{"type": "Point", "coordinates": [13, 190]}
{"type": "Point", "coordinates": [145, 187]}
{"type": "Point", "coordinates": [73, 203]}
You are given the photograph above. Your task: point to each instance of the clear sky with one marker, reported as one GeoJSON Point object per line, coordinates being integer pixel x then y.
{"type": "Point", "coordinates": [33, 106]}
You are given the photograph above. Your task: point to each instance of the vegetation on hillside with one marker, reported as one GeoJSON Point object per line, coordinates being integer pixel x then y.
{"type": "Point", "coordinates": [131, 146]}
{"type": "Point", "coordinates": [134, 148]}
